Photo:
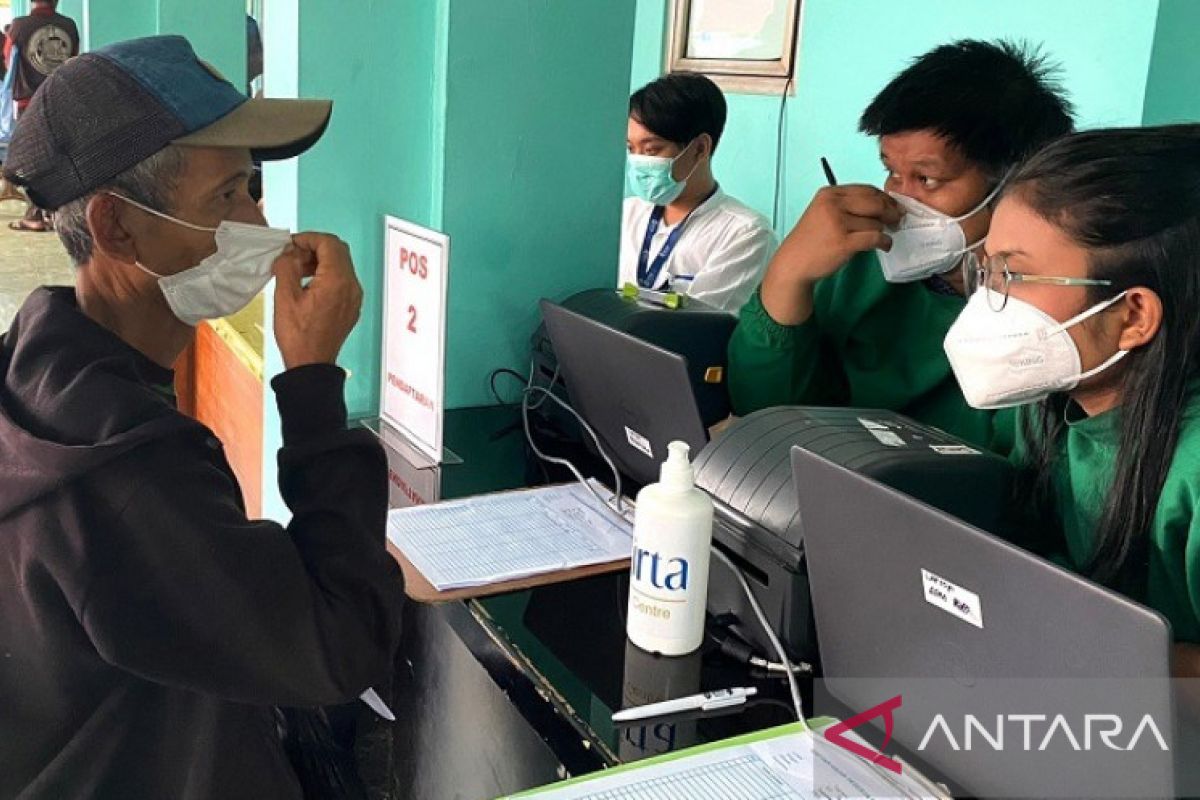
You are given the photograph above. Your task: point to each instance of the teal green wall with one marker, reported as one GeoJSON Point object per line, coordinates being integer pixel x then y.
{"type": "Point", "coordinates": [649, 42]}
{"type": "Point", "coordinates": [74, 10]}
{"type": "Point", "coordinates": [106, 21]}
{"type": "Point", "coordinates": [848, 51]}
{"type": "Point", "coordinates": [1173, 88]}
{"type": "Point", "coordinates": [432, 122]}
{"type": "Point", "coordinates": [377, 156]}
{"type": "Point", "coordinates": [534, 164]}
{"type": "Point", "coordinates": [216, 28]}
{"type": "Point", "coordinates": [381, 155]}
{"type": "Point", "coordinates": [498, 123]}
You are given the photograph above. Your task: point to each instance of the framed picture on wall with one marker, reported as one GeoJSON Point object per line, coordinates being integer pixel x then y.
{"type": "Point", "coordinates": [743, 45]}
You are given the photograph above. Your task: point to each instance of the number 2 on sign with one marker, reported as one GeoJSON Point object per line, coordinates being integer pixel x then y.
{"type": "Point", "coordinates": [412, 319]}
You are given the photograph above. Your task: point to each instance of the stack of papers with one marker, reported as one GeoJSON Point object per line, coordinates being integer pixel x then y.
{"type": "Point", "coordinates": [503, 537]}
{"type": "Point", "coordinates": [788, 762]}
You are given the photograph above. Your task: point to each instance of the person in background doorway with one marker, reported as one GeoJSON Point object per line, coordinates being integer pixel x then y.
{"type": "Point", "coordinates": [679, 231]}
{"type": "Point", "coordinates": [857, 301]}
{"type": "Point", "coordinates": [254, 71]}
{"type": "Point", "coordinates": [1089, 272]}
{"type": "Point", "coordinates": [254, 54]}
{"type": "Point", "coordinates": [44, 41]}
{"type": "Point", "coordinates": [156, 640]}
{"type": "Point", "coordinates": [8, 118]}
{"type": "Point", "coordinates": [5, 49]}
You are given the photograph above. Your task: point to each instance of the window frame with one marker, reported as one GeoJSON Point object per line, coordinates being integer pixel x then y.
{"type": "Point", "coordinates": [735, 75]}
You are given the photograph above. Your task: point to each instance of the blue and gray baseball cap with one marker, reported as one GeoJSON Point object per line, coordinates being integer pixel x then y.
{"type": "Point", "coordinates": [106, 111]}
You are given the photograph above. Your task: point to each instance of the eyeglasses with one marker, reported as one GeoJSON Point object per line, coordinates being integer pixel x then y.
{"type": "Point", "coordinates": [993, 274]}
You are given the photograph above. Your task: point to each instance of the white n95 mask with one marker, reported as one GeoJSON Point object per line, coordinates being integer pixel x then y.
{"type": "Point", "coordinates": [926, 242]}
{"type": "Point", "coordinates": [1017, 355]}
{"type": "Point", "coordinates": [225, 282]}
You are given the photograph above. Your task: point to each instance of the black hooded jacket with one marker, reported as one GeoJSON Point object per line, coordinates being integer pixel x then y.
{"type": "Point", "coordinates": [147, 627]}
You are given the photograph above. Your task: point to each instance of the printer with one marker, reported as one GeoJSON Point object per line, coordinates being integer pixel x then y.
{"type": "Point", "coordinates": [695, 330]}
{"type": "Point", "coordinates": [747, 471]}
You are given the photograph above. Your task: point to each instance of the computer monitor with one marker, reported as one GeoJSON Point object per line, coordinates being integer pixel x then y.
{"type": "Point", "coordinates": [636, 396]}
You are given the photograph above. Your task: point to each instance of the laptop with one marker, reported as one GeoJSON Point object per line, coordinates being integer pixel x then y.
{"type": "Point", "coordinates": [912, 602]}
{"type": "Point", "coordinates": [636, 396]}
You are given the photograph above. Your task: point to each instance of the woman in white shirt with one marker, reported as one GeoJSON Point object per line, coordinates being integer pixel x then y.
{"type": "Point", "coordinates": [679, 231]}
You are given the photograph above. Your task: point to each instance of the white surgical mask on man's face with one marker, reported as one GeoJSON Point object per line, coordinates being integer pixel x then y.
{"type": "Point", "coordinates": [225, 282]}
{"type": "Point", "coordinates": [926, 242]}
{"type": "Point", "coordinates": [1017, 355]}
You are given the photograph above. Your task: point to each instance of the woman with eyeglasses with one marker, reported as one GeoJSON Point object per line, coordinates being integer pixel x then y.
{"type": "Point", "coordinates": [1087, 303]}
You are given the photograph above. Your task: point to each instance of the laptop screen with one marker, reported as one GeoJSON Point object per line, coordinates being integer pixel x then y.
{"type": "Point", "coordinates": [635, 395]}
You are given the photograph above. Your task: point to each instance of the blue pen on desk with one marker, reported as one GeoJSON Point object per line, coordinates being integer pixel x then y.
{"type": "Point", "coordinates": [829, 176]}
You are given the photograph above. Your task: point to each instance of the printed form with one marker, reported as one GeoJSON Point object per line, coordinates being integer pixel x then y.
{"type": "Point", "coordinates": [796, 766]}
{"type": "Point", "coordinates": [502, 537]}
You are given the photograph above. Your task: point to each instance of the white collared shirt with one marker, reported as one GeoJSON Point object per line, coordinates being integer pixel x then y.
{"type": "Point", "coordinates": [719, 259]}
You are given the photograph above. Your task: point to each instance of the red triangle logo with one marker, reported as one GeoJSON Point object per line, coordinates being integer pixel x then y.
{"type": "Point", "coordinates": [837, 734]}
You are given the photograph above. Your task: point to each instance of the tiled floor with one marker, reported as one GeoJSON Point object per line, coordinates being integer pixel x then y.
{"type": "Point", "coordinates": [27, 261]}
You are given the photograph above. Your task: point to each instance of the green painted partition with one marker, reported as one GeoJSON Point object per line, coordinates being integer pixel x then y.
{"type": "Point", "coordinates": [379, 156]}
{"type": "Point", "coordinates": [1171, 89]}
{"type": "Point", "coordinates": [74, 10]}
{"type": "Point", "coordinates": [108, 21]}
{"type": "Point", "coordinates": [534, 160]}
{"type": "Point", "coordinates": [499, 123]}
{"type": "Point", "coordinates": [216, 28]}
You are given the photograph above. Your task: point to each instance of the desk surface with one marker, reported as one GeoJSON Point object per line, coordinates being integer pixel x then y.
{"type": "Point", "coordinates": [536, 675]}
{"type": "Point", "coordinates": [502, 694]}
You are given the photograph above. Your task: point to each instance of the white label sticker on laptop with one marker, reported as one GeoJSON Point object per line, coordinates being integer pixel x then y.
{"type": "Point", "coordinates": [952, 598]}
{"type": "Point", "coordinates": [953, 450]}
{"type": "Point", "coordinates": [639, 442]}
{"type": "Point", "coordinates": [888, 438]}
{"type": "Point", "coordinates": [881, 432]}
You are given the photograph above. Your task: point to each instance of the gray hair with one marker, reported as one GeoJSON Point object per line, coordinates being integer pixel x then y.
{"type": "Point", "coordinates": [151, 183]}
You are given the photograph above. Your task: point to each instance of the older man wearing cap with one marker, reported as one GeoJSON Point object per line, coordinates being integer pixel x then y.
{"type": "Point", "coordinates": [147, 627]}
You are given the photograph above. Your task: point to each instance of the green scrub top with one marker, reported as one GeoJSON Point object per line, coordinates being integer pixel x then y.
{"type": "Point", "coordinates": [868, 344]}
{"type": "Point", "coordinates": [1082, 479]}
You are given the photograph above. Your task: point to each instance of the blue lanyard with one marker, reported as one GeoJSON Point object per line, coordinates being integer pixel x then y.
{"type": "Point", "coordinates": [648, 272]}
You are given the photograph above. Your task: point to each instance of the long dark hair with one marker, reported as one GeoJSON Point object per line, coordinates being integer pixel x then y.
{"type": "Point", "coordinates": [1131, 197]}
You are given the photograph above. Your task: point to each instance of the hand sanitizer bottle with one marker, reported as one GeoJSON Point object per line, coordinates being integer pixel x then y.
{"type": "Point", "coordinates": [668, 586]}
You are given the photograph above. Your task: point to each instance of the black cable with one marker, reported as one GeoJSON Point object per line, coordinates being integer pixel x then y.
{"type": "Point", "coordinates": [779, 151]}
{"type": "Point", "coordinates": [496, 392]}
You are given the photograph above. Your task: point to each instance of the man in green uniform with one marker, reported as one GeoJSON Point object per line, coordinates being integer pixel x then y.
{"type": "Point", "coordinates": [857, 301]}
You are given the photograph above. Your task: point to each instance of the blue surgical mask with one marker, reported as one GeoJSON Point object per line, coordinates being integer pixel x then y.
{"type": "Point", "coordinates": [651, 178]}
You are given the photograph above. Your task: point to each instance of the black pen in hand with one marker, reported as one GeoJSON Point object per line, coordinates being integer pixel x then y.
{"type": "Point", "coordinates": [829, 177]}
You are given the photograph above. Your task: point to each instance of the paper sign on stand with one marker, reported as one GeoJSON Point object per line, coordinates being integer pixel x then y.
{"type": "Point", "coordinates": [412, 401]}
{"type": "Point", "coordinates": [411, 479]}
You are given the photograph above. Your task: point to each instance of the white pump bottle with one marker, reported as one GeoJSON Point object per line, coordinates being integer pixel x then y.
{"type": "Point", "coordinates": [668, 586]}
